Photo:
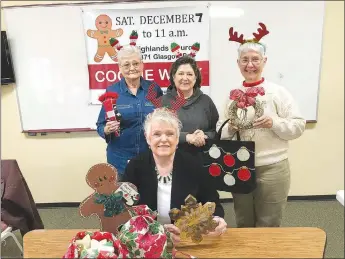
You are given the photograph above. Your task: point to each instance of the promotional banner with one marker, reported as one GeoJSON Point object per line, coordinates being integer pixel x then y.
{"type": "Point", "coordinates": [162, 34]}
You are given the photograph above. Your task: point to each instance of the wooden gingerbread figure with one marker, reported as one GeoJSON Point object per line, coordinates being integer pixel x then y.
{"type": "Point", "coordinates": [103, 34]}
{"type": "Point", "coordinates": [109, 200]}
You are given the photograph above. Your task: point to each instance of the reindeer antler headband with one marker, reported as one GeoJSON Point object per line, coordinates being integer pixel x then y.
{"type": "Point", "coordinates": [176, 49]}
{"type": "Point", "coordinates": [233, 35]}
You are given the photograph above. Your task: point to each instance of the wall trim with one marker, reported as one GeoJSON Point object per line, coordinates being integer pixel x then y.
{"type": "Point", "coordinates": [299, 198]}
{"type": "Point", "coordinates": [226, 200]}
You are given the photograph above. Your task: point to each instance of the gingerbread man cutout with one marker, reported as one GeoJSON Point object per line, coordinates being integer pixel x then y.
{"type": "Point", "coordinates": [103, 34]}
{"type": "Point", "coordinates": [109, 200]}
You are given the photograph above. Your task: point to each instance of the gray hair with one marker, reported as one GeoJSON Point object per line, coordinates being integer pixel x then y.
{"type": "Point", "coordinates": [258, 47]}
{"type": "Point", "coordinates": [163, 115]}
{"type": "Point", "coordinates": [129, 50]}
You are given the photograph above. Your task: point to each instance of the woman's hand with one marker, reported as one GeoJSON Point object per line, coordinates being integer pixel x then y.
{"type": "Point", "coordinates": [220, 229]}
{"type": "Point", "coordinates": [174, 231]}
{"type": "Point", "coordinates": [263, 122]}
{"type": "Point", "coordinates": [197, 138]}
{"type": "Point", "coordinates": [193, 139]}
{"type": "Point", "coordinates": [111, 127]}
{"type": "Point", "coordinates": [232, 127]}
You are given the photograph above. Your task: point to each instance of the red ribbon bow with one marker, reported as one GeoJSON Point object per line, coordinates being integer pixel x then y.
{"type": "Point", "coordinates": [246, 99]}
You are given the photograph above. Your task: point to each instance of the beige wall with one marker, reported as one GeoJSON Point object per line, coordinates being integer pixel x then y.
{"type": "Point", "coordinates": [55, 165]}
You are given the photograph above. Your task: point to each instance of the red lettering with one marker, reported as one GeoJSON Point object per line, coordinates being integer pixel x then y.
{"type": "Point", "coordinates": [103, 75]}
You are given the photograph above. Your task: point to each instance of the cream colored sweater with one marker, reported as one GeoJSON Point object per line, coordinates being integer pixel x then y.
{"type": "Point", "coordinates": [271, 145]}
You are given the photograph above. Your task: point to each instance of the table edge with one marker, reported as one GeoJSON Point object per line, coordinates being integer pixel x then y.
{"type": "Point", "coordinates": [318, 229]}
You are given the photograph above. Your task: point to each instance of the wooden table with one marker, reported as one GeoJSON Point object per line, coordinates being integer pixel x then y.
{"type": "Point", "coordinates": [235, 243]}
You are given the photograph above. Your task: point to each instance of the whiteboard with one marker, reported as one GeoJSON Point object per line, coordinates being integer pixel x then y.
{"type": "Point", "coordinates": [50, 60]}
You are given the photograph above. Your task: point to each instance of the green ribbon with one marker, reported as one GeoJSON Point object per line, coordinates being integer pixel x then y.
{"type": "Point", "coordinates": [113, 204]}
{"type": "Point", "coordinates": [104, 32]}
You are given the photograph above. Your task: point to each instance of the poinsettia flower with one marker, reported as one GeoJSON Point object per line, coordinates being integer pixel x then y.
{"type": "Point", "coordinates": [154, 252]}
{"type": "Point", "coordinates": [161, 240]}
{"type": "Point", "coordinates": [139, 223]}
{"type": "Point", "coordinates": [146, 240]}
{"type": "Point", "coordinates": [123, 251]}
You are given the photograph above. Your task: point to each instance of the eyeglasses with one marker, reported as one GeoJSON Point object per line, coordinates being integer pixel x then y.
{"type": "Point", "coordinates": [127, 66]}
{"type": "Point", "coordinates": [255, 61]}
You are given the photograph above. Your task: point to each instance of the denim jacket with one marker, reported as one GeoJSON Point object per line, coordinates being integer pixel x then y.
{"type": "Point", "coordinates": [133, 109]}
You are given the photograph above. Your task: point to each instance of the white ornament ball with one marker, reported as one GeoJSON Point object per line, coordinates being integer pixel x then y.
{"type": "Point", "coordinates": [229, 180]}
{"type": "Point", "coordinates": [243, 154]}
{"type": "Point", "coordinates": [214, 152]}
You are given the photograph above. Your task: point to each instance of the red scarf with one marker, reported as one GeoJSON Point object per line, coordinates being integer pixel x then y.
{"type": "Point", "coordinates": [245, 84]}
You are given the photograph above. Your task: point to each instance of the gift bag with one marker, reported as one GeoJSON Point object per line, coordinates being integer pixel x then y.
{"type": "Point", "coordinates": [231, 163]}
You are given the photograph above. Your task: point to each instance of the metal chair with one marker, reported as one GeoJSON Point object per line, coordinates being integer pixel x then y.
{"type": "Point", "coordinates": [6, 233]}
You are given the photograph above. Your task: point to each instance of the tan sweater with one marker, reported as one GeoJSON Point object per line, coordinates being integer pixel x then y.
{"type": "Point", "coordinates": [271, 145]}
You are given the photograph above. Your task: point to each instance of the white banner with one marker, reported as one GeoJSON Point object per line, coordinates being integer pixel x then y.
{"type": "Point", "coordinates": [161, 33]}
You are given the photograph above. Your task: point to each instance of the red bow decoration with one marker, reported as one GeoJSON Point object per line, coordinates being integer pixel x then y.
{"type": "Point", "coordinates": [152, 96]}
{"type": "Point", "coordinates": [179, 101]}
{"type": "Point", "coordinates": [246, 99]}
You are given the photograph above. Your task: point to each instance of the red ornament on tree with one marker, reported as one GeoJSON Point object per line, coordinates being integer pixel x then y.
{"type": "Point", "coordinates": [229, 160]}
{"type": "Point", "coordinates": [214, 170]}
{"type": "Point", "coordinates": [244, 174]}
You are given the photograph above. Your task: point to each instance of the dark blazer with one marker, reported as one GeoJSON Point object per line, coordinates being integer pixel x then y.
{"type": "Point", "coordinates": [188, 178]}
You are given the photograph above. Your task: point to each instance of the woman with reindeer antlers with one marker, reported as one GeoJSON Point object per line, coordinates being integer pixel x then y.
{"type": "Point", "coordinates": [281, 121]}
{"type": "Point", "coordinates": [198, 114]}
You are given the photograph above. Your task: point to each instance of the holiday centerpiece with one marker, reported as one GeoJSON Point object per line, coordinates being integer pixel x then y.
{"type": "Point", "coordinates": [140, 237]}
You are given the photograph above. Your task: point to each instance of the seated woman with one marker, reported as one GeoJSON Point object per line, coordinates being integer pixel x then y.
{"type": "Point", "coordinates": [165, 175]}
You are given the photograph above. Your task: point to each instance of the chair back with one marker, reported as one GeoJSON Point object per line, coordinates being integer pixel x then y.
{"type": "Point", "coordinates": [2, 188]}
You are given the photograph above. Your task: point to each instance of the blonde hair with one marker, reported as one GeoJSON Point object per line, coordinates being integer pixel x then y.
{"type": "Point", "coordinates": [163, 115]}
{"type": "Point", "coordinates": [128, 50]}
{"type": "Point", "coordinates": [258, 47]}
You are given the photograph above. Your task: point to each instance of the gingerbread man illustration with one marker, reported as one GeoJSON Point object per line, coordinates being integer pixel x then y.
{"type": "Point", "coordinates": [109, 200]}
{"type": "Point", "coordinates": [103, 34]}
